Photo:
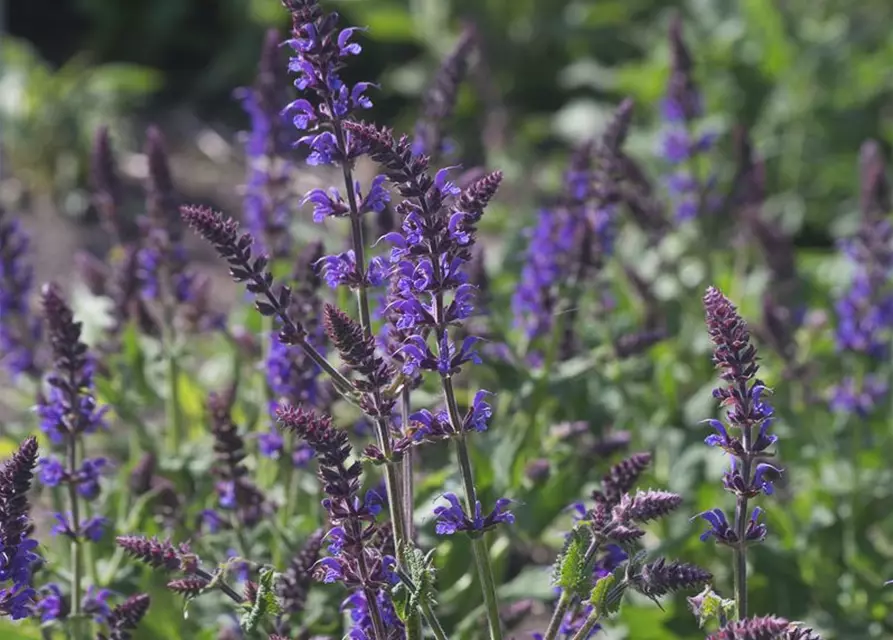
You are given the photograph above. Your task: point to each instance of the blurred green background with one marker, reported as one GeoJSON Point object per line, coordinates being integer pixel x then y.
{"type": "Point", "coordinates": [811, 78]}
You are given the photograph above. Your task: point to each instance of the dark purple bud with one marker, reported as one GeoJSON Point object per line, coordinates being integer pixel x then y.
{"type": "Point", "coordinates": [159, 554]}
{"type": "Point", "coordinates": [645, 506]}
{"type": "Point", "coordinates": [236, 491]}
{"type": "Point", "coordinates": [537, 470]}
{"type": "Point", "coordinates": [356, 349]}
{"type": "Point", "coordinates": [764, 628]}
{"type": "Point", "coordinates": [621, 478]}
{"type": "Point", "coordinates": [16, 475]}
{"type": "Point", "coordinates": [108, 193]}
{"type": "Point", "coordinates": [161, 201]}
{"type": "Point", "coordinates": [659, 578]}
{"type": "Point", "coordinates": [126, 616]}
{"type": "Point", "coordinates": [294, 584]}
{"type": "Point", "coordinates": [439, 100]}
{"type": "Point", "coordinates": [733, 354]}
{"type": "Point", "coordinates": [188, 587]}
{"type": "Point", "coordinates": [224, 234]}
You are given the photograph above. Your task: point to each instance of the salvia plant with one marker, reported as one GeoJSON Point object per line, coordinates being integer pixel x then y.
{"type": "Point", "coordinates": [384, 437]}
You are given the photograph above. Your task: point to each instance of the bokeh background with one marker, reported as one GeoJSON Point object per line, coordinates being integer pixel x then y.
{"type": "Point", "coordinates": [810, 80]}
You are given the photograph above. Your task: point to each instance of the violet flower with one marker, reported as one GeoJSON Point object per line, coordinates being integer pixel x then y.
{"type": "Point", "coordinates": [68, 413]}
{"type": "Point", "coordinates": [69, 410]}
{"type": "Point", "coordinates": [865, 311]}
{"type": "Point", "coordinates": [321, 49]}
{"type": "Point", "coordinates": [163, 269]}
{"type": "Point", "coordinates": [268, 196]}
{"type": "Point", "coordinates": [743, 434]}
{"type": "Point", "coordinates": [681, 147]}
{"type": "Point", "coordinates": [567, 246]}
{"type": "Point", "coordinates": [360, 566]}
{"type": "Point", "coordinates": [19, 329]}
{"type": "Point", "coordinates": [453, 519]}
{"type": "Point", "coordinates": [17, 548]}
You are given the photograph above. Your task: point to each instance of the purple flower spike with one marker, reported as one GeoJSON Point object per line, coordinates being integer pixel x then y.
{"type": "Point", "coordinates": [20, 330]}
{"type": "Point", "coordinates": [743, 432]}
{"type": "Point", "coordinates": [681, 108]}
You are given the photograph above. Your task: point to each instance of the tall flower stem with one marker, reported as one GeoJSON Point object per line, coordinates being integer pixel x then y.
{"type": "Point", "coordinates": [425, 606]}
{"type": "Point", "coordinates": [478, 544]}
{"type": "Point", "coordinates": [231, 593]}
{"type": "Point", "coordinates": [172, 408]}
{"type": "Point", "coordinates": [564, 603]}
{"type": "Point", "coordinates": [406, 470]}
{"type": "Point", "coordinates": [741, 528]}
{"type": "Point", "coordinates": [77, 563]}
{"type": "Point", "coordinates": [587, 627]}
{"type": "Point", "coordinates": [382, 430]}
{"type": "Point", "coordinates": [565, 600]}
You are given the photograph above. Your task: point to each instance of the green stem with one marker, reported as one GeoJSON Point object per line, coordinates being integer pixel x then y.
{"type": "Point", "coordinates": [478, 545]}
{"type": "Point", "coordinates": [172, 403]}
{"type": "Point", "coordinates": [741, 518]}
{"type": "Point", "coordinates": [408, 490]}
{"type": "Point", "coordinates": [220, 584]}
{"type": "Point", "coordinates": [425, 606]}
{"type": "Point", "coordinates": [172, 408]}
{"type": "Point", "coordinates": [587, 627]}
{"type": "Point", "coordinates": [77, 566]}
{"type": "Point", "coordinates": [433, 622]}
{"type": "Point", "coordinates": [564, 602]}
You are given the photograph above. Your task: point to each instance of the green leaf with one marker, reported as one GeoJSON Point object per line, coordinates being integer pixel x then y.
{"type": "Point", "coordinates": [599, 596]}
{"type": "Point", "coordinates": [573, 570]}
{"type": "Point", "coordinates": [265, 604]}
{"type": "Point", "coordinates": [417, 585]}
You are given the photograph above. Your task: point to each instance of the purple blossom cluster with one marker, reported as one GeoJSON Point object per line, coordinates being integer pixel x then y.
{"type": "Point", "coordinates": [18, 557]}
{"type": "Point", "coordinates": [602, 544]}
{"type": "Point", "coordinates": [237, 495]}
{"type": "Point", "coordinates": [19, 329]}
{"type": "Point", "coordinates": [268, 197]}
{"type": "Point", "coordinates": [354, 558]}
{"type": "Point", "coordinates": [865, 310]}
{"type": "Point", "coordinates": [681, 146]}
{"type": "Point", "coordinates": [567, 245]}
{"type": "Point", "coordinates": [68, 413]}
{"type": "Point", "coordinates": [743, 434]}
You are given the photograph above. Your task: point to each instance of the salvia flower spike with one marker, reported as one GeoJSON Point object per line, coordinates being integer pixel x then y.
{"type": "Point", "coordinates": [17, 548]}
{"type": "Point", "coordinates": [681, 147]}
{"type": "Point", "coordinates": [20, 330]}
{"type": "Point", "coordinates": [743, 434]}
{"type": "Point", "coordinates": [864, 317]}
{"type": "Point", "coordinates": [68, 413]}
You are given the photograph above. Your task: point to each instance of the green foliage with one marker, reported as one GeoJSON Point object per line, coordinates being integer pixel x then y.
{"type": "Point", "coordinates": [810, 80]}
{"type": "Point", "coordinates": [49, 116]}
{"type": "Point", "coordinates": [573, 567]}
{"type": "Point", "coordinates": [266, 603]}
{"type": "Point", "coordinates": [420, 590]}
